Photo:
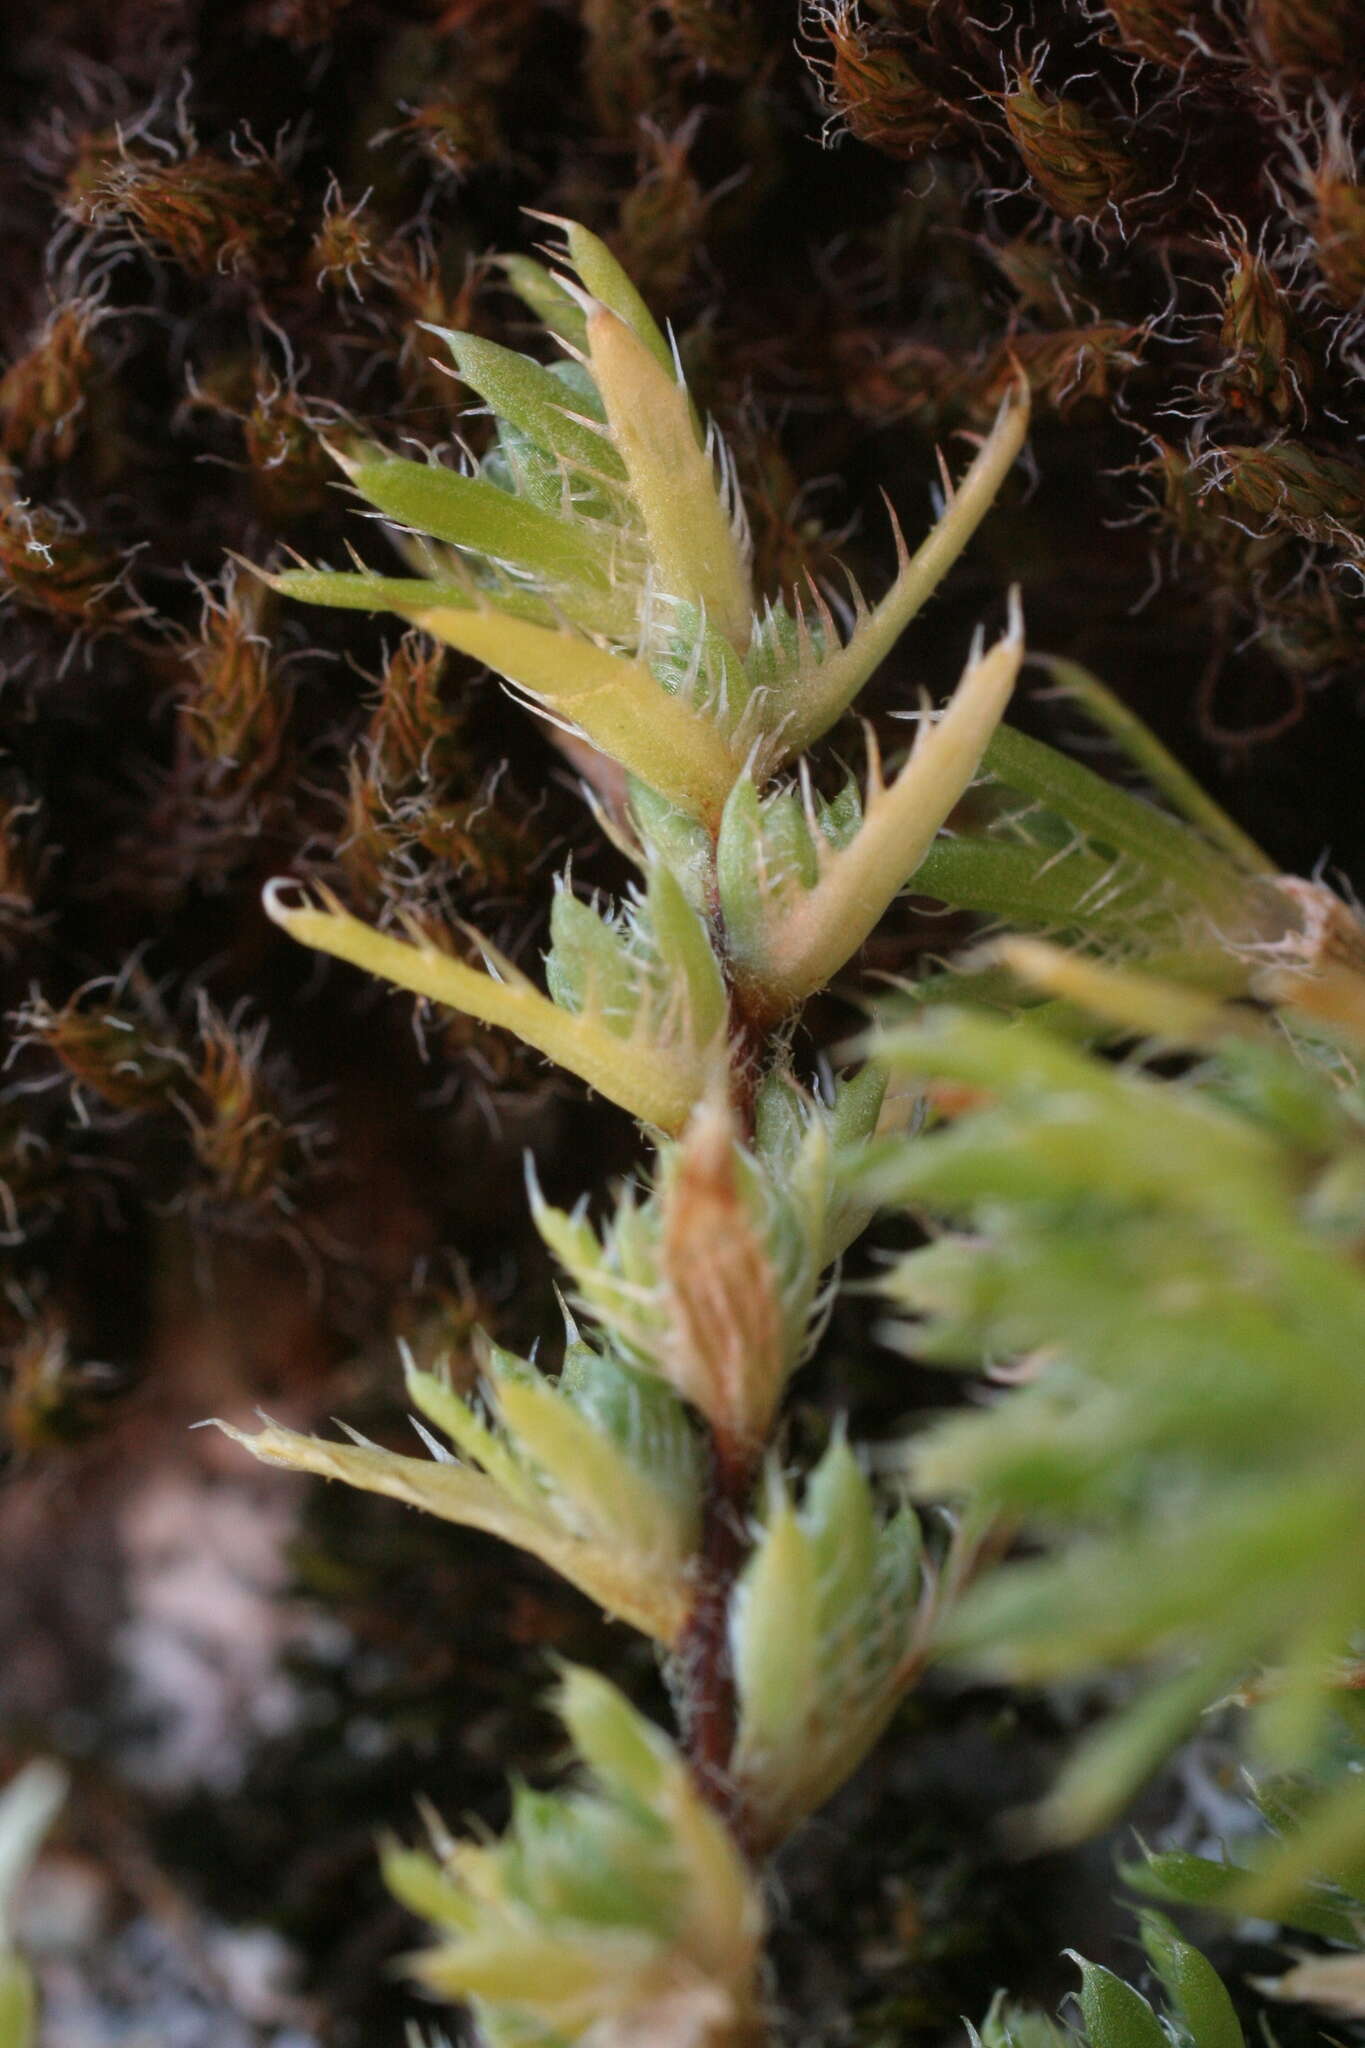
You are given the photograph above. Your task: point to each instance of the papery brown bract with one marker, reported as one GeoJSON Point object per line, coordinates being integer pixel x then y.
{"type": "Point", "coordinates": [872, 89]}
{"type": "Point", "coordinates": [205, 211]}
{"type": "Point", "coordinates": [1073, 156]}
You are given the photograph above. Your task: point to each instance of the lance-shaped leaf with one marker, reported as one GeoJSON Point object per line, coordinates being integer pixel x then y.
{"type": "Point", "coordinates": [650, 973]}
{"type": "Point", "coordinates": [360, 590]}
{"type": "Point", "coordinates": [828, 673]}
{"type": "Point", "coordinates": [1115, 2015]}
{"type": "Point", "coordinates": [469, 512]}
{"type": "Point", "coordinates": [791, 935]}
{"type": "Point", "coordinates": [536, 402]}
{"type": "Point", "coordinates": [1197, 1993]}
{"type": "Point", "coordinates": [1156, 762]}
{"type": "Point", "coordinates": [1179, 1878]}
{"type": "Point", "coordinates": [1175, 853]}
{"type": "Point", "coordinates": [669, 838]}
{"type": "Point", "coordinates": [824, 1638]}
{"type": "Point", "coordinates": [657, 1080]}
{"type": "Point", "coordinates": [564, 1478]}
{"type": "Point", "coordinates": [616, 1277]}
{"type": "Point", "coordinates": [783, 1116]}
{"type": "Point", "coordinates": [695, 540]}
{"type": "Point", "coordinates": [699, 665]}
{"type": "Point", "coordinates": [614, 1447]}
{"type": "Point", "coordinates": [603, 277]}
{"type": "Point", "coordinates": [557, 310]}
{"type": "Point", "coordinates": [615, 702]}
{"type": "Point", "coordinates": [621, 1912]}
{"type": "Point", "coordinates": [691, 972]}
{"type": "Point", "coordinates": [1075, 890]}
{"type": "Point", "coordinates": [774, 1644]}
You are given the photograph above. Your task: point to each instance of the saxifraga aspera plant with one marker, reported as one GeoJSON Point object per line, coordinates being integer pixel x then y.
{"type": "Point", "coordinates": [597, 559]}
{"type": "Point", "coordinates": [1172, 1255]}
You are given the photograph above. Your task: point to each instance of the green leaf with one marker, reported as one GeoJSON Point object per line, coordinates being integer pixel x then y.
{"type": "Point", "coordinates": [643, 1417]}
{"type": "Point", "coordinates": [774, 1641]}
{"type": "Point", "coordinates": [590, 968]}
{"type": "Point", "coordinates": [603, 276]}
{"type": "Point", "coordinates": [799, 937]}
{"type": "Point", "coordinates": [858, 1100]}
{"type": "Point", "coordinates": [615, 702]}
{"type": "Point", "coordinates": [781, 1112]}
{"type": "Point", "coordinates": [695, 662]}
{"type": "Point", "coordinates": [1156, 762]}
{"type": "Point", "coordinates": [1114, 2014]}
{"type": "Point", "coordinates": [687, 957]}
{"type": "Point", "coordinates": [626, 1752]}
{"type": "Point", "coordinates": [1079, 891]}
{"type": "Point", "coordinates": [1008, 2025]}
{"type": "Point", "coordinates": [534, 400]}
{"type": "Point", "coordinates": [610, 1498]}
{"type": "Point", "coordinates": [841, 1523]}
{"type": "Point", "coordinates": [1182, 1879]}
{"type": "Point", "coordinates": [359, 591]}
{"type": "Point", "coordinates": [542, 293]}
{"type": "Point", "coordinates": [829, 676]}
{"type": "Point", "coordinates": [693, 542]}
{"type": "Point", "coordinates": [670, 838]}
{"type": "Point", "coordinates": [760, 850]}
{"type": "Point", "coordinates": [472, 1438]}
{"type": "Point", "coordinates": [418, 1882]}
{"type": "Point", "coordinates": [469, 512]}
{"type": "Point", "coordinates": [658, 1082]}
{"type": "Point", "coordinates": [1193, 1986]}
{"type": "Point", "coordinates": [1114, 817]}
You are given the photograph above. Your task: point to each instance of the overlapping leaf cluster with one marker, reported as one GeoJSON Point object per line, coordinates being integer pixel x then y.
{"type": "Point", "coordinates": [1168, 1265]}
{"type": "Point", "coordinates": [625, 1905]}
{"type": "Point", "coordinates": [1196, 2010]}
{"type": "Point", "coordinates": [596, 557]}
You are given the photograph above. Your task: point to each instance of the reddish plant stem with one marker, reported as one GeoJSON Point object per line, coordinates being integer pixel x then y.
{"type": "Point", "coordinates": [707, 1706]}
{"type": "Point", "coordinates": [749, 1050]}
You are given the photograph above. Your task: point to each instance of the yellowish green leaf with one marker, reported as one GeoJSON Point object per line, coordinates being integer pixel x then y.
{"type": "Point", "coordinates": [692, 540]}
{"type": "Point", "coordinates": [535, 401]}
{"type": "Point", "coordinates": [774, 1642]}
{"type": "Point", "coordinates": [614, 701]}
{"type": "Point", "coordinates": [615, 1501]}
{"type": "Point", "coordinates": [835, 679]}
{"type": "Point", "coordinates": [649, 1599]}
{"type": "Point", "coordinates": [806, 935]}
{"type": "Point", "coordinates": [657, 1083]}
